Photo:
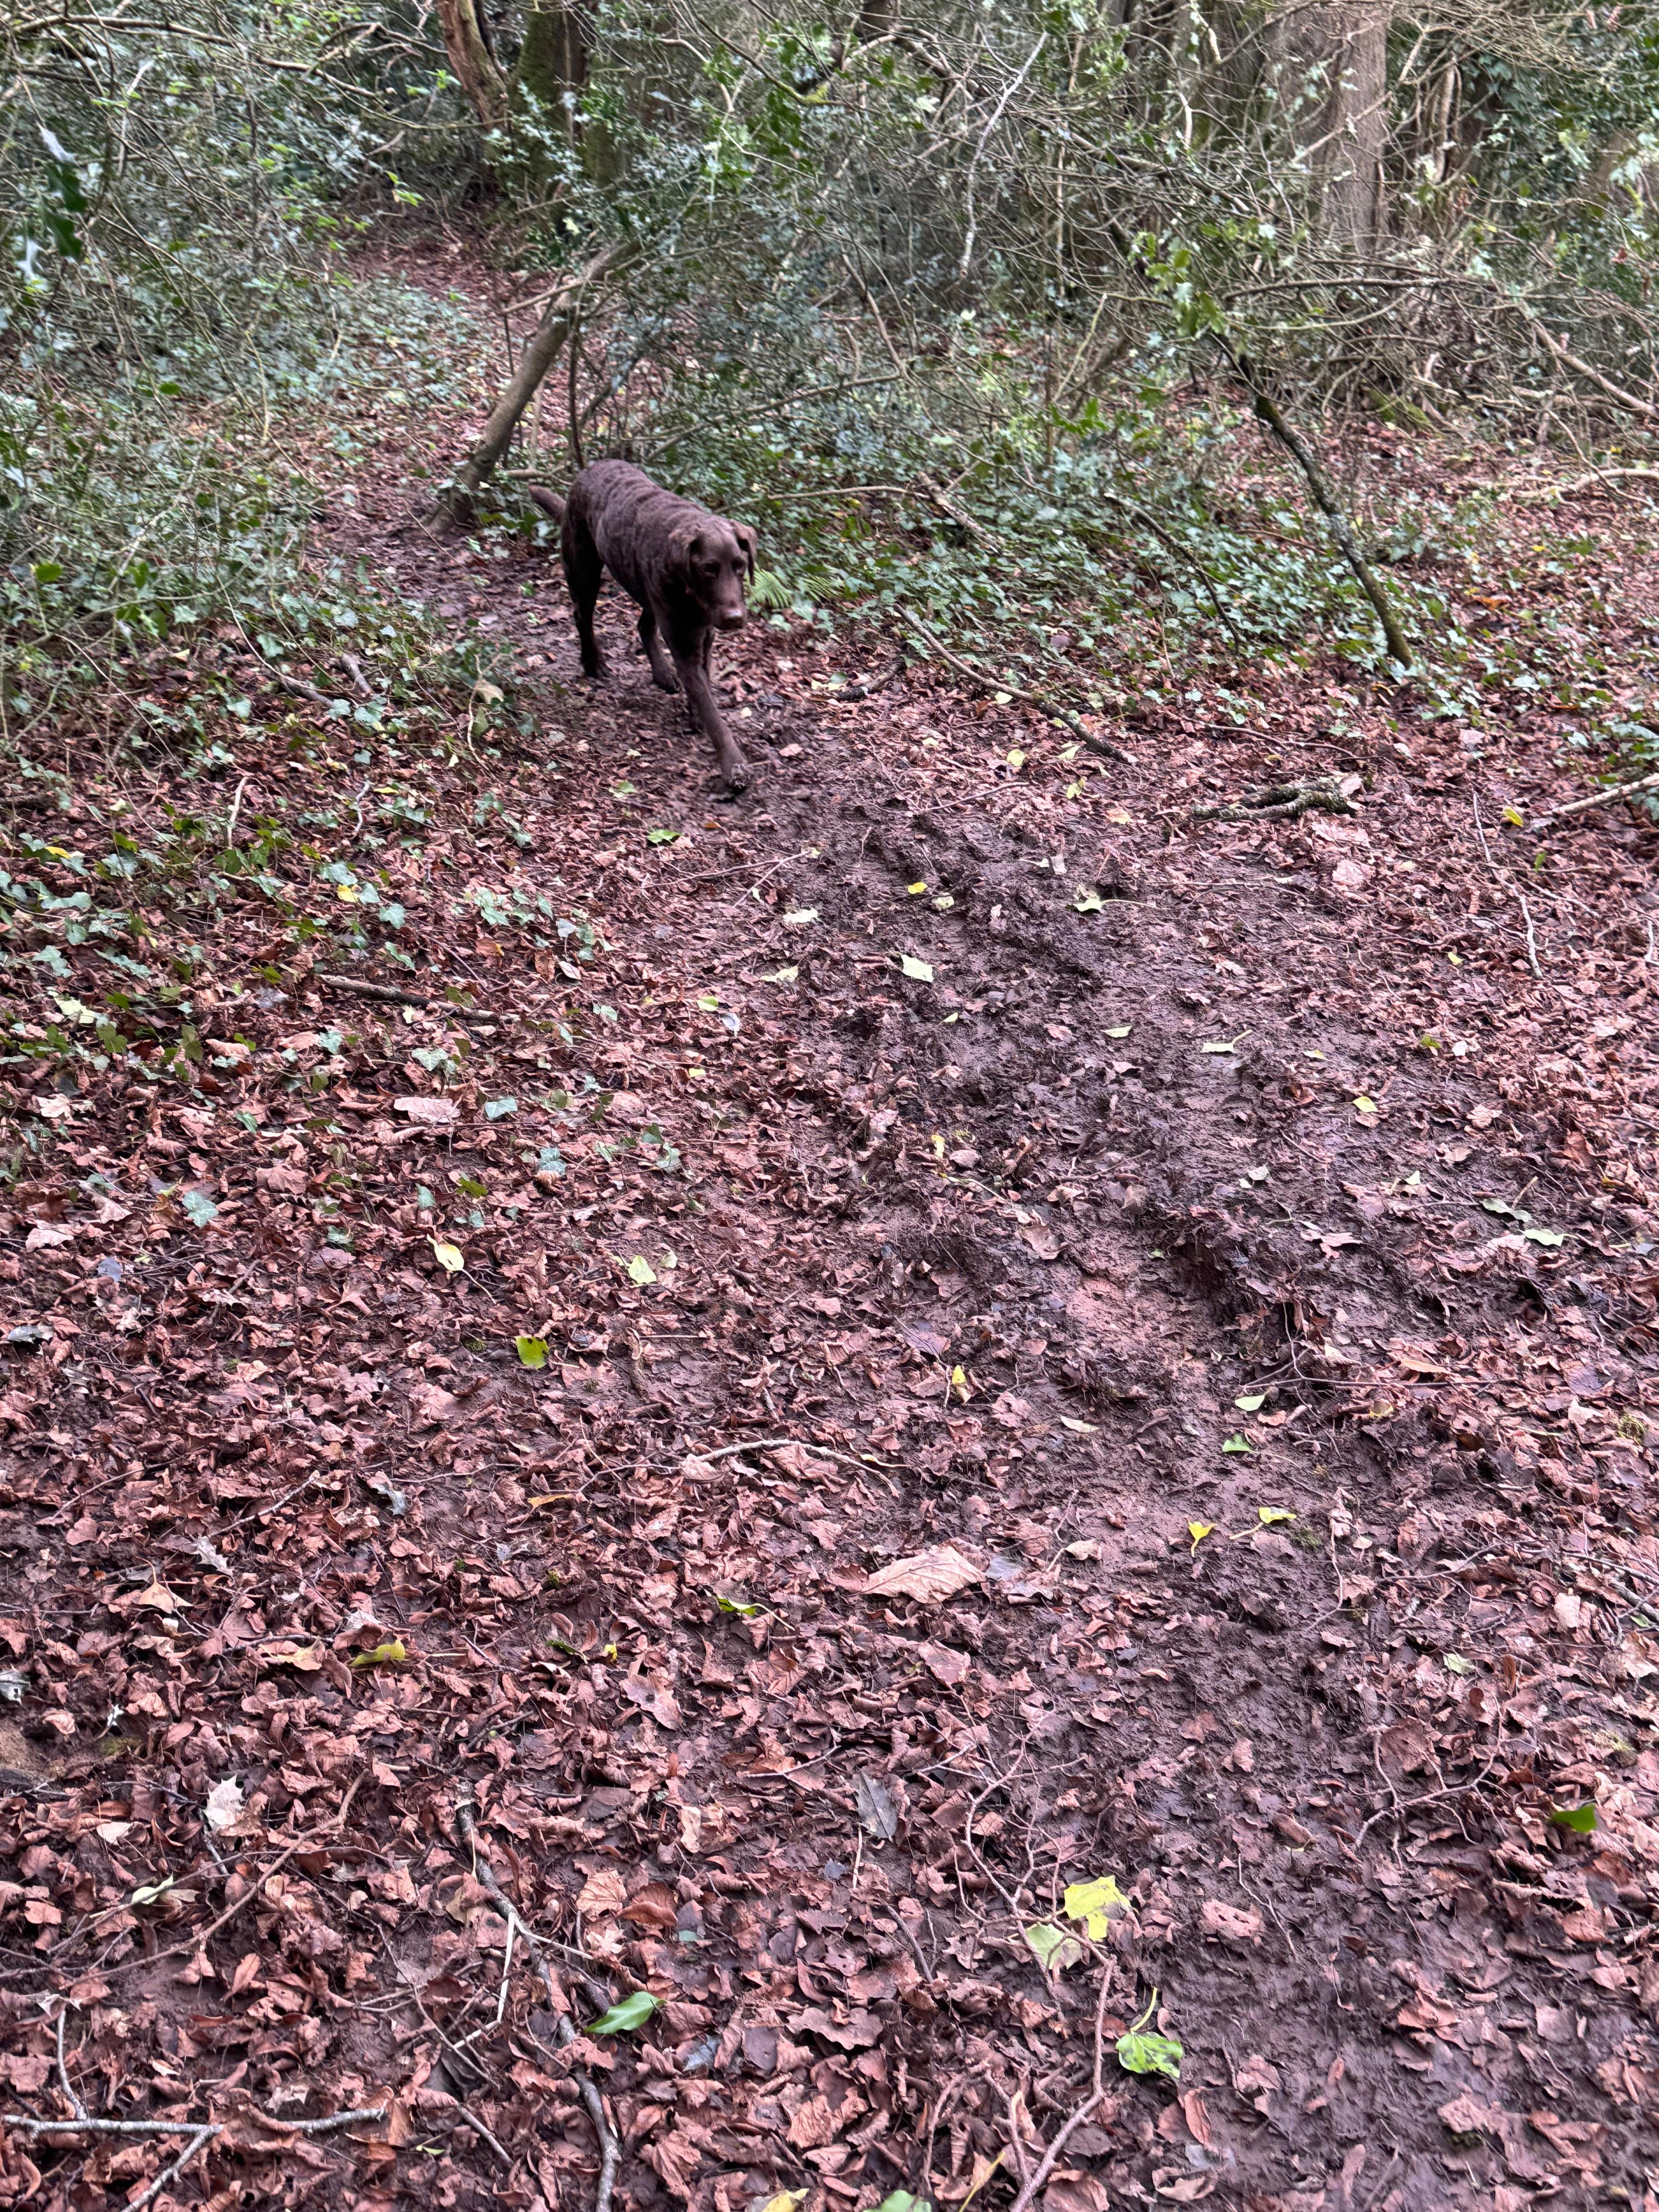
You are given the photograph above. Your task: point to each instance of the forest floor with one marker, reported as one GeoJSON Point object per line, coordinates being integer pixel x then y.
{"type": "Point", "coordinates": [1080, 1341]}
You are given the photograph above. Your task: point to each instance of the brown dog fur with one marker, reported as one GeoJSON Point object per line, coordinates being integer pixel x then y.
{"type": "Point", "coordinates": [685, 568]}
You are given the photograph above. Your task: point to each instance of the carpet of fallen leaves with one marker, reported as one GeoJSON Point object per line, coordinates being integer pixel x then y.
{"type": "Point", "coordinates": [843, 1367]}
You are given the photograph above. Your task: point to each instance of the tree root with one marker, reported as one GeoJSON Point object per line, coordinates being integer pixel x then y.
{"type": "Point", "coordinates": [1282, 802]}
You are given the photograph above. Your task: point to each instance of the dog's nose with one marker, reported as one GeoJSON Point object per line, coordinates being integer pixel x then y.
{"type": "Point", "coordinates": [731, 621]}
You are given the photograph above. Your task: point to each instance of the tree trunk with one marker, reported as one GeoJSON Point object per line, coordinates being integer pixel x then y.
{"type": "Point", "coordinates": [466, 41]}
{"type": "Point", "coordinates": [458, 503]}
{"type": "Point", "coordinates": [1338, 52]}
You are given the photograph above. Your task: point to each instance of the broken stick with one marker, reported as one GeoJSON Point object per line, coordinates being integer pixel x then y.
{"type": "Point", "coordinates": [1596, 799]}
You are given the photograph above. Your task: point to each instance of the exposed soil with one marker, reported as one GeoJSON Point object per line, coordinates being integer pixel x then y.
{"type": "Point", "coordinates": [1232, 1245]}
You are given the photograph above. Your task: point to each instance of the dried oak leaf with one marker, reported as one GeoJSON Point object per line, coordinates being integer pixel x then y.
{"type": "Point", "coordinates": [929, 1576]}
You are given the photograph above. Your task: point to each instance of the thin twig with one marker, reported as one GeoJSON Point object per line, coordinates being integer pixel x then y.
{"type": "Point", "coordinates": [563, 2027]}
{"type": "Point", "coordinates": [1051, 2156]}
{"type": "Point", "coordinates": [984, 681]}
{"type": "Point", "coordinates": [199, 2141]}
{"type": "Point", "coordinates": [1532, 941]}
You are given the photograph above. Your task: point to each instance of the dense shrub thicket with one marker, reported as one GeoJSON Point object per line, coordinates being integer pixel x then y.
{"type": "Point", "coordinates": [925, 284]}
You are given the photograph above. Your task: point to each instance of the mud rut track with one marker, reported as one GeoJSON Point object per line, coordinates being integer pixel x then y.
{"type": "Point", "coordinates": [1397, 1982]}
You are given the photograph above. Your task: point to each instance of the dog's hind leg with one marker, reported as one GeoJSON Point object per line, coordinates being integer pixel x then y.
{"type": "Point", "coordinates": [584, 571]}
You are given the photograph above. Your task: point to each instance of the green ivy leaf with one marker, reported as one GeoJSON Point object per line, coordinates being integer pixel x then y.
{"type": "Point", "coordinates": [1139, 2052]}
{"type": "Point", "coordinates": [1580, 1818]}
{"type": "Point", "coordinates": [624, 2018]}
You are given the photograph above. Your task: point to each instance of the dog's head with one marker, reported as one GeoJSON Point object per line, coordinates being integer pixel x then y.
{"type": "Point", "coordinates": [710, 562]}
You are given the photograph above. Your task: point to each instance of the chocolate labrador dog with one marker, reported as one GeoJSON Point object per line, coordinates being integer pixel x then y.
{"type": "Point", "coordinates": [685, 568]}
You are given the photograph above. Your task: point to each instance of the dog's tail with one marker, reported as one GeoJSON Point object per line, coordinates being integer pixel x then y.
{"type": "Point", "coordinates": [549, 501]}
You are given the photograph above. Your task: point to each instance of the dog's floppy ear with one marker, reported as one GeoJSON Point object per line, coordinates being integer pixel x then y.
{"type": "Point", "coordinates": [746, 538]}
{"type": "Point", "coordinates": [685, 542]}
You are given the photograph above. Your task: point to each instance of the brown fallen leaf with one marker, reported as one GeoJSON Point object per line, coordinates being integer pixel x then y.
{"type": "Point", "coordinates": [653, 1906]}
{"type": "Point", "coordinates": [929, 1576]}
{"type": "Point", "coordinates": [653, 1698]}
{"type": "Point", "coordinates": [1232, 1922]}
{"type": "Point", "coordinates": [944, 1664]}
{"type": "Point", "coordinates": [603, 1895]}
{"type": "Point", "coordinates": [430, 1113]}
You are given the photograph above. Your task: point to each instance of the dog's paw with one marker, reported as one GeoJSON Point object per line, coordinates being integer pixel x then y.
{"type": "Point", "coordinates": [596, 669]}
{"type": "Point", "coordinates": [736, 773]}
{"type": "Point", "coordinates": [668, 682]}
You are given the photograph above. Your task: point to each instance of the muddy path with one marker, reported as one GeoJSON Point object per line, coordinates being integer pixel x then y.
{"type": "Point", "coordinates": [1223, 1252]}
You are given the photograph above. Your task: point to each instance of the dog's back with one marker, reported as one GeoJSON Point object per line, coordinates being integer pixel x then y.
{"type": "Point", "coordinates": [635, 526]}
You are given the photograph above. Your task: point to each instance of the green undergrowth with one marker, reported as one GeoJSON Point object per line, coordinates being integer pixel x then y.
{"type": "Point", "coordinates": [145, 505]}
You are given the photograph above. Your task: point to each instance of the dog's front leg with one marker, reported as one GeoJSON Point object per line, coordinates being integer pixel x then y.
{"type": "Point", "coordinates": [662, 674]}
{"type": "Point", "coordinates": [706, 714]}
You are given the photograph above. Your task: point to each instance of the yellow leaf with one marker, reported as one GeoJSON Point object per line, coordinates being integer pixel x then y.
{"type": "Point", "coordinates": [383, 1655]}
{"type": "Point", "coordinates": [640, 1271]}
{"type": "Point", "coordinates": [1197, 1530]}
{"type": "Point", "coordinates": [1097, 1904]}
{"type": "Point", "coordinates": [1016, 759]}
{"type": "Point", "coordinates": [532, 1350]}
{"type": "Point", "coordinates": [449, 1257]}
{"type": "Point", "coordinates": [959, 1383]}
{"type": "Point", "coordinates": [915, 890]}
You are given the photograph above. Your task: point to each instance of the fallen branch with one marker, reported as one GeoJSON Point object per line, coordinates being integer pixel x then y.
{"type": "Point", "coordinates": [1267, 412]}
{"type": "Point", "coordinates": [868, 685]}
{"type": "Point", "coordinates": [1282, 802]}
{"type": "Point", "coordinates": [393, 994]}
{"type": "Point", "coordinates": [1605, 477]}
{"type": "Point", "coordinates": [1584, 368]}
{"type": "Point", "coordinates": [1596, 799]}
{"type": "Point", "coordinates": [201, 2133]}
{"type": "Point", "coordinates": [563, 2027]}
{"type": "Point", "coordinates": [458, 503]}
{"type": "Point", "coordinates": [1066, 717]}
